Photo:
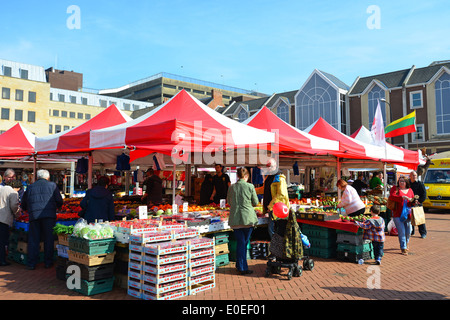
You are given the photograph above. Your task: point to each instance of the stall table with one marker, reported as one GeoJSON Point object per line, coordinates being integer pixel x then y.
{"type": "Point", "coordinates": [332, 224]}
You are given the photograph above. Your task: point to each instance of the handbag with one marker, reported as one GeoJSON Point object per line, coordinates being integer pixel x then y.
{"type": "Point", "coordinates": [417, 216]}
{"type": "Point", "coordinates": [391, 204]}
{"type": "Point", "coordinates": [406, 212]}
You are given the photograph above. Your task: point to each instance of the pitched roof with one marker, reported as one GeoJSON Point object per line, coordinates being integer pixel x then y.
{"type": "Point", "coordinates": [340, 84]}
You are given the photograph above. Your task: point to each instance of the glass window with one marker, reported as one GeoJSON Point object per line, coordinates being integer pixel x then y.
{"type": "Point", "coordinates": [242, 115]}
{"type": "Point", "coordinates": [66, 128]}
{"type": "Point", "coordinates": [317, 99]}
{"type": "Point", "coordinates": [61, 97]}
{"type": "Point", "coordinates": [84, 101]}
{"type": "Point", "coordinates": [57, 128]}
{"type": "Point", "coordinates": [437, 176]}
{"type": "Point", "coordinates": [19, 95]}
{"type": "Point", "coordinates": [87, 116]}
{"type": "Point", "coordinates": [31, 116]}
{"type": "Point", "coordinates": [23, 74]}
{"type": "Point", "coordinates": [5, 113]}
{"type": "Point", "coordinates": [72, 115]}
{"type": "Point", "coordinates": [283, 112]}
{"type": "Point", "coordinates": [18, 115]}
{"type": "Point", "coordinates": [31, 96]}
{"type": "Point", "coordinates": [375, 95]}
{"type": "Point", "coordinates": [419, 134]}
{"type": "Point", "coordinates": [6, 93]}
{"type": "Point", "coordinates": [103, 103]}
{"type": "Point", "coordinates": [126, 106]}
{"type": "Point", "coordinates": [63, 114]}
{"type": "Point", "coordinates": [442, 93]}
{"type": "Point", "coordinates": [7, 71]}
{"type": "Point", "coordinates": [50, 128]}
{"type": "Point", "coordinates": [415, 99]}
{"type": "Point", "coordinates": [73, 99]}
{"type": "Point", "coordinates": [80, 115]}
{"type": "Point", "coordinates": [55, 113]}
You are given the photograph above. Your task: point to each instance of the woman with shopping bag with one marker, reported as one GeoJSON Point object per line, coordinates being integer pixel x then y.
{"type": "Point", "coordinates": [403, 195]}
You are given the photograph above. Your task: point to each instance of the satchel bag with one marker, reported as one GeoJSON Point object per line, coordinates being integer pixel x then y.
{"type": "Point", "coordinates": [417, 216]}
{"type": "Point", "coordinates": [391, 205]}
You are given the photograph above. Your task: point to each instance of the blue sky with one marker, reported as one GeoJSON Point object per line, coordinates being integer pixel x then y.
{"type": "Point", "coordinates": [269, 46]}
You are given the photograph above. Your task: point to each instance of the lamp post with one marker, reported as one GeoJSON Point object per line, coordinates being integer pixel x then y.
{"type": "Point", "coordinates": [390, 114]}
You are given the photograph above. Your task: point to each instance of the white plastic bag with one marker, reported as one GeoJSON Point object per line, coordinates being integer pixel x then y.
{"type": "Point", "coordinates": [392, 229]}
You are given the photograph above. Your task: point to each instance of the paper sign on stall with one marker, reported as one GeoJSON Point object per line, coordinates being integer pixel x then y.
{"type": "Point", "coordinates": [222, 203]}
{"type": "Point", "coordinates": [185, 206]}
{"type": "Point", "coordinates": [143, 214]}
{"type": "Point", "coordinates": [174, 208]}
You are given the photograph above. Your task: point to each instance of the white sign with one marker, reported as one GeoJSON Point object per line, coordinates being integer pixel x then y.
{"type": "Point", "coordinates": [185, 206]}
{"type": "Point", "coordinates": [143, 213]}
{"type": "Point", "coordinates": [222, 203]}
{"type": "Point", "coordinates": [174, 208]}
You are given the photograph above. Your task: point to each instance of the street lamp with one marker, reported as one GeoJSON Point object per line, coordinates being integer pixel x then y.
{"type": "Point", "coordinates": [390, 115]}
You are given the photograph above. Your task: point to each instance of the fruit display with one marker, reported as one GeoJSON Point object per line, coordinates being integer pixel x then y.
{"type": "Point", "coordinates": [90, 231]}
{"type": "Point", "coordinates": [360, 218]}
{"type": "Point", "coordinates": [376, 200]}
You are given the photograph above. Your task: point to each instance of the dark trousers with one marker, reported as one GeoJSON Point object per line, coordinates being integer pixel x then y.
{"type": "Point", "coordinates": [41, 229]}
{"type": "Point", "coordinates": [4, 237]}
{"type": "Point", "coordinates": [357, 213]}
{"type": "Point", "coordinates": [378, 250]}
{"type": "Point", "coordinates": [242, 239]}
{"type": "Point", "coordinates": [422, 230]}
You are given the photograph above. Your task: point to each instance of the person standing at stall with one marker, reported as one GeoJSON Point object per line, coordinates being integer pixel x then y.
{"type": "Point", "coordinates": [41, 199]}
{"type": "Point", "coordinates": [419, 190]}
{"type": "Point", "coordinates": [242, 198]}
{"type": "Point", "coordinates": [206, 190]}
{"type": "Point", "coordinates": [9, 206]}
{"type": "Point", "coordinates": [98, 203]}
{"type": "Point", "coordinates": [359, 184]}
{"type": "Point", "coordinates": [350, 200]}
{"type": "Point", "coordinates": [398, 194]}
{"type": "Point", "coordinates": [154, 189]}
{"type": "Point", "coordinates": [221, 182]}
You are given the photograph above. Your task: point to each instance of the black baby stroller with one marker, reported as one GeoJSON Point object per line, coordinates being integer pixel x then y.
{"type": "Point", "coordinates": [286, 248]}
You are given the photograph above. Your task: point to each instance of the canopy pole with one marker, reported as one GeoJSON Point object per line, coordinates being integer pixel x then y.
{"type": "Point", "coordinates": [173, 182]}
{"type": "Point", "coordinates": [90, 162]}
{"type": "Point", "coordinates": [72, 179]}
{"type": "Point", "coordinates": [34, 167]}
{"type": "Point", "coordinates": [384, 180]}
{"type": "Point", "coordinates": [339, 176]}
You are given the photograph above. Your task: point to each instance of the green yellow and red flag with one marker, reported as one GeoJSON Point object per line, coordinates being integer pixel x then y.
{"type": "Point", "coordinates": [401, 126]}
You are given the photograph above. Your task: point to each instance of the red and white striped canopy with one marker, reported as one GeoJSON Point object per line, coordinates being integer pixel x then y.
{"type": "Point", "coordinates": [16, 142]}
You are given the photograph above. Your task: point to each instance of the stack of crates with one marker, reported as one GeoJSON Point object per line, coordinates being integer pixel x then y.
{"type": "Point", "coordinates": [259, 249]}
{"type": "Point", "coordinates": [322, 240]}
{"type": "Point", "coordinates": [62, 258]}
{"type": "Point", "coordinates": [201, 265]}
{"type": "Point", "coordinates": [95, 260]}
{"type": "Point", "coordinates": [221, 248]}
{"type": "Point", "coordinates": [352, 247]}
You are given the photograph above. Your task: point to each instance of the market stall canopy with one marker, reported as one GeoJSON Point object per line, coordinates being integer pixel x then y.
{"type": "Point", "coordinates": [356, 149]}
{"type": "Point", "coordinates": [77, 139]}
{"type": "Point", "coordinates": [411, 159]}
{"type": "Point", "coordinates": [289, 138]}
{"type": "Point", "coordinates": [196, 127]}
{"type": "Point", "coordinates": [16, 142]}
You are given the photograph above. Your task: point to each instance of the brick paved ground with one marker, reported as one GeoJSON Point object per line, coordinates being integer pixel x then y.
{"type": "Point", "coordinates": [423, 275]}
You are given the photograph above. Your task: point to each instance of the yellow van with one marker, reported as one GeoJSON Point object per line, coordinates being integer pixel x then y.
{"type": "Point", "coordinates": [437, 184]}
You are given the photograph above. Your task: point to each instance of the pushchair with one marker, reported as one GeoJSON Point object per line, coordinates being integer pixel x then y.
{"type": "Point", "coordinates": [286, 249]}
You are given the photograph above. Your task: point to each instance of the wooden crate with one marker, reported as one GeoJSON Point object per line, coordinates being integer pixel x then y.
{"type": "Point", "coordinates": [221, 249]}
{"type": "Point", "coordinates": [91, 260]}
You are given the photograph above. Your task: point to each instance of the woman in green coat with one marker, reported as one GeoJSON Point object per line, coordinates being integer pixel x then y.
{"type": "Point", "coordinates": [242, 198]}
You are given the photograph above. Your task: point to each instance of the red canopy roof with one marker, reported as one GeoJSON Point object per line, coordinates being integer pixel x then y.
{"type": "Point", "coordinates": [78, 138]}
{"type": "Point", "coordinates": [291, 139]}
{"type": "Point", "coordinates": [17, 141]}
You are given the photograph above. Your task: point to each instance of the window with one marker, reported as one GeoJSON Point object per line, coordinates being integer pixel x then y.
{"type": "Point", "coordinates": [61, 97]}
{"type": "Point", "coordinates": [5, 113]}
{"type": "Point", "coordinates": [87, 116]}
{"type": "Point", "coordinates": [18, 115]}
{"type": "Point", "coordinates": [415, 99]}
{"type": "Point", "coordinates": [135, 107]}
{"type": "Point", "coordinates": [51, 95]}
{"type": "Point", "coordinates": [418, 136]}
{"type": "Point", "coordinates": [283, 112]}
{"type": "Point", "coordinates": [242, 115]}
{"type": "Point", "coordinates": [57, 128]}
{"type": "Point", "coordinates": [103, 103]}
{"type": "Point", "coordinates": [317, 99]}
{"type": "Point", "coordinates": [80, 115]}
{"type": "Point", "coordinates": [442, 93]}
{"type": "Point", "coordinates": [199, 91]}
{"type": "Point", "coordinates": [7, 71]}
{"type": "Point", "coordinates": [31, 96]}
{"type": "Point", "coordinates": [19, 95]}
{"type": "Point", "coordinates": [72, 115]}
{"type": "Point", "coordinates": [23, 74]}
{"type": "Point", "coordinates": [66, 128]}
{"type": "Point", "coordinates": [73, 99]}
{"type": "Point", "coordinates": [64, 114]}
{"type": "Point", "coordinates": [31, 116]}
{"type": "Point", "coordinates": [126, 106]}
{"type": "Point", "coordinates": [6, 93]}
{"type": "Point", "coordinates": [55, 113]}
{"type": "Point", "coordinates": [84, 101]}
{"type": "Point", "coordinates": [165, 85]}
{"type": "Point", "coordinates": [113, 102]}
{"type": "Point", "coordinates": [50, 128]}
{"type": "Point", "coordinates": [375, 95]}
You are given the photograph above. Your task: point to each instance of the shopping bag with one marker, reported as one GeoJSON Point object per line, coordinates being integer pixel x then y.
{"type": "Point", "coordinates": [406, 212]}
{"type": "Point", "coordinates": [391, 205]}
{"type": "Point", "coordinates": [392, 229]}
{"type": "Point", "coordinates": [417, 216]}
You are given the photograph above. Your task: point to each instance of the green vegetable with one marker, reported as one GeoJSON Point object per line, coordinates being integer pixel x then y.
{"type": "Point", "coordinates": [62, 229]}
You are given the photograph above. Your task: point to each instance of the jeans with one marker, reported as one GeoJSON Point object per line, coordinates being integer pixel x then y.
{"type": "Point", "coordinates": [4, 236]}
{"type": "Point", "coordinates": [41, 228]}
{"type": "Point", "coordinates": [378, 250]}
{"type": "Point", "coordinates": [404, 231]}
{"type": "Point", "coordinates": [242, 239]}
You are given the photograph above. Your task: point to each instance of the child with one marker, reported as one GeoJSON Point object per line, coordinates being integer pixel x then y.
{"type": "Point", "coordinates": [374, 230]}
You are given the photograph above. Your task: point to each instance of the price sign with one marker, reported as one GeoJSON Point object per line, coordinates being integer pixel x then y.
{"type": "Point", "coordinates": [174, 208]}
{"type": "Point", "coordinates": [222, 203]}
{"type": "Point", "coordinates": [185, 206]}
{"type": "Point", "coordinates": [143, 213]}
{"type": "Point", "coordinates": [308, 200]}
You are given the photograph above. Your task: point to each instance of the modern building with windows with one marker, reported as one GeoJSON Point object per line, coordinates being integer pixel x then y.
{"type": "Point", "coordinates": [40, 100]}
{"type": "Point", "coordinates": [424, 90]}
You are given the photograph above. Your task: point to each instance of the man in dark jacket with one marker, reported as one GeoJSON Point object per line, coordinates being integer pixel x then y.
{"type": "Point", "coordinates": [41, 199]}
{"type": "Point", "coordinates": [98, 202]}
{"type": "Point", "coordinates": [419, 190]}
{"type": "Point", "coordinates": [153, 191]}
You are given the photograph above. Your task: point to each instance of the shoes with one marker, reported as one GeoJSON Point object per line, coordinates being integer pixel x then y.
{"type": "Point", "coordinates": [378, 262]}
{"type": "Point", "coordinates": [405, 252]}
{"type": "Point", "coordinates": [423, 236]}
{"type": "Point", "coordinates": [246, 272]}
{"type": "Point", "coordinates": [6, 263]}
{"type": "Point", "coordinates": [31, 267]}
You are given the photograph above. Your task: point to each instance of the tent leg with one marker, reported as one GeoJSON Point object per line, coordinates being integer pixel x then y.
{"type": "Point", "coordinates": [339, 176]}
{"type": "Point", "coordinates": [174, 179]}
{"type": "Point", "coordinates": [384, 180]}
{"type": "Point", "coordinates": [72, 179]}
{"type": "Point", "coordinates": [90, 162]}
{"type": "Point", "coordinates": [34, 168]}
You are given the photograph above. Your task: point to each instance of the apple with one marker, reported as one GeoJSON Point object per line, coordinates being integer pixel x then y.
{"type": "Point", "coordinates": [159, 212]}
{"type": "Point", "coordinates": [169, 212]}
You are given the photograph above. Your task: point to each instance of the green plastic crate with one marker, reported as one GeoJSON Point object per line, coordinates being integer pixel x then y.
{"type": "Point", "coordinates": [232, 248]}
{"type": "Point", "coordinates": [320, 252]}
{"type": "Point", "coordinates": [317, 242]}
{"type": "Point", "coordinates": [318, 232]}
{"type": "Point", "coordinates": [89, 288]}
{"type": "Point", "coordinates": [92, 247]}
{"type": "Point", "coordinates": [354, 257]}
{"type": "Point", "coordinates": [222, 260]}
{"type": "Point", "coordinates": [358, 249]}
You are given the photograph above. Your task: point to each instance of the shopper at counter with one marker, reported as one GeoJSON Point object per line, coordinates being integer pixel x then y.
{"type": "Point", "coordinates": [154, 189]}
{"type": "Point", "coordinates": [359, 184]}
{"type": "Point", "coordinates": [206, 190]}
{"type": "Point", "coordinates": [98, 203]}
{"type": "Point", "coordinates": [9, 206]}
{"type": "Point", "coordinates": [242, 198]}
{"type": "Point", "coordinates": [350, 199]}
{"type": "Point", "coordinates": [41, 199]}
{"type": "Point", "coordinates": [221, 182]}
